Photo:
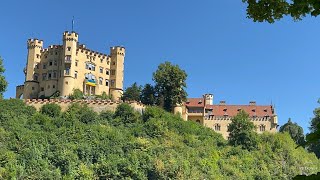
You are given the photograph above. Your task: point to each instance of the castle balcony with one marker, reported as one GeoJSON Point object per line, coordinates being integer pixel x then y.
{"type": "Point", "coordinates": [195, 113]}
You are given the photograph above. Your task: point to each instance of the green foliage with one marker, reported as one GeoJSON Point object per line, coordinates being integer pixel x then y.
{"type": "Point", "coordinates": [295, 131]}
{"type": "Point", "coordinates": [3, 82]}
{"type": "Point", "coordinates": [148, 95]}
{"type": "Point", "coordinates": [242, 132]}
{"type": "Point", "coordinates": [80, 144]}
{"type": "Point", "coordinates": [76, 94]}
{"type": "Point", "coordinates": [170, 85]}
{"type": "Point", "coordinates": [313, 138]}
{"type": "Point", "coordinates": [52, 110]}
{"type": "Point", "coordinates": [132, 93]}
{"type": "Point", "coordinates": [126, 113]}
{"type": "Point", "coordinates": [272, 10]}
{"type": "Point", "coordinates": [103, 96]}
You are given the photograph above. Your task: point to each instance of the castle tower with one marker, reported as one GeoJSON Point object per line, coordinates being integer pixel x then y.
{"type": "Point", "coordinates": [117, 72]}
{"type": "Point", "coordinates": [208, 99]}
{"type": "Point", "coordinates": [31, 85]}
{"type": "Point", "coordinates": [67, 69]}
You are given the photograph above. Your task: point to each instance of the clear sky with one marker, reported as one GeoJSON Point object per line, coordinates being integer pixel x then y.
{"type": "Point", "coordinates": [222, 52]}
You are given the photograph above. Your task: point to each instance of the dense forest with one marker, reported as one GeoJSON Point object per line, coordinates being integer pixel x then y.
{"type": "Point", "coordinates": [81, 144]}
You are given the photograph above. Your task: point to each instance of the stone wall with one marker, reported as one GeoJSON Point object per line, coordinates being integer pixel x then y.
{"type": "Point", "coordinates": [96, 105]}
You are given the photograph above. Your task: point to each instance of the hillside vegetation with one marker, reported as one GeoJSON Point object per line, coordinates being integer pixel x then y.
{"type": "Point", "coordinates": [81, 144]}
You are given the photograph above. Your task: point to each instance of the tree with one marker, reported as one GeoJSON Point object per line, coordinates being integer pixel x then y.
{"type": "Point", "coordinates": [148, 95]}
{"type": "Point", "coordinates": [313, 138]}
{"type": "Point", "coordinates": [272, 10]}
{"type": "Point", "coordinates": [3, 82]}
{"type": "Point", "coordinates": [295, 131]}
{"type": "Point", "coordinates": [170, 85]}
{"type": "Point", "coordinates": [242, 132]}
{"type": "Point", "coordinates": [132, 93]}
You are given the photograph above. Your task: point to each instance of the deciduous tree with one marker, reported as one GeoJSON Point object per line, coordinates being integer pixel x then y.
{"type": "Point", "coordinates": [148, 95]}
{"type": "Point", "coordinates": [295, 131]}
{"type": "Point", "coordinates": [132, 93]}
{"type": "Point", "coordinates": [242, 132]}
{"type": "Point", "coordinates": [170, 85]}
{"type": "Point", "coordinates": [272, 10]}
{"type": "Point", "coordinates": [3, 82]}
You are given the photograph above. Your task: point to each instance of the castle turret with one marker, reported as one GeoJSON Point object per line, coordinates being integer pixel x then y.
{"type": "Point", "coordinates": [31, 85]}
{"type": "Point", "coordinates": [66, 82]}
{"type": "Point", "coordinates": [208, 99]}
{"type": "Point", "coordinates": [117, 72]}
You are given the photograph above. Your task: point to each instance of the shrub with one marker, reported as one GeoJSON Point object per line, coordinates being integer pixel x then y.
{"type": "Point", "coordinates": [76, 94]}
{"type": "Point", "coordinates": [126, 113]}
{"type": "Point", "coordinates": [51, 110]}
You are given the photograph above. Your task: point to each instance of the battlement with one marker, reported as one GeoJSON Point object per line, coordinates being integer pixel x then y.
{"type": "Point", "coordinates": [96, 105]}
{"type": "Point", "coordinates": [70, 36]}
{"type": "Point", "coordinates": [51, 47]}
{"type": "Point", "coordinates": [34, 43]}
{"type": "Point", "coordinates": [119, 50]}
{"type": "Point", "coordinates": [19, 87]}
{"type": "Point", "coordinates": [82, 48]}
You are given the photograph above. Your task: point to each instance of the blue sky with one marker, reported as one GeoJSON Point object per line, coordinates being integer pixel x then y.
{"type": "Point", "coordinates": [222, 52]}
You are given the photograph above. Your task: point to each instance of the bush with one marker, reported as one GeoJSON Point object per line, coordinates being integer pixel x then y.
{"type": "Point", "coordinates": [51, 110]}
{"type": "Point", "coordinates": [88, 116]}
{"type": "Point", "coordinates": [76, 94]}
{"type": "Point", "coordinates": [126, 113]}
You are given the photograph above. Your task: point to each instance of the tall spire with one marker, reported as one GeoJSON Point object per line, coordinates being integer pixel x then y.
{"type": "Point", "coordinates": [72, 23]}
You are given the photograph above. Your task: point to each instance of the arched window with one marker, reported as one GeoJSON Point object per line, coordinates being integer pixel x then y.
{"type": "Point", "coordinates": [35, 77]}
{"type": "Point", "coordinates": [217, 127]}
{"type": "Point", "coordinates": [198, 121]}
{"type": "Point", "coordinates": [262, 127]}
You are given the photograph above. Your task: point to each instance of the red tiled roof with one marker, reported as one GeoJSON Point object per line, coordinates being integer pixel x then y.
{"type": "Point", "coordinates": [232, 110]}
{"type": "Point", "coordinates": [195, 102]}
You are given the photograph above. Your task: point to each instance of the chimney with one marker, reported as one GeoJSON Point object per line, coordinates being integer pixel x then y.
{"type": "Point", "coordinates": [252, 103]}
{"type": "Point", "coordinates": [222, 103]}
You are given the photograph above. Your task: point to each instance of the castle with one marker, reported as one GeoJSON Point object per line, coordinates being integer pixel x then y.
{"type": "Point", "coordinates": [63, 68]}
{"type": "Point", "coordinates": [218, 117]}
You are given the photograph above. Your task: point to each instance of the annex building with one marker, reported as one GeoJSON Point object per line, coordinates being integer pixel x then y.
{"type": "Point", "coordinates": [63, 68]}
{"type": "Point", "coordinates": [218, 116]}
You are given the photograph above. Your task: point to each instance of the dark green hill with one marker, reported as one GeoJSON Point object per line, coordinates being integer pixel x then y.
{"type": "Point", "coordinates": [81, 144]}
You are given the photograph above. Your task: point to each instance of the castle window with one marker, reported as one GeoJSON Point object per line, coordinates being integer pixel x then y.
{"type": "Point", "coordinates": [67, 83]}
{"type": "Point", "coordinates": [76, 63]}
{"type": "Point", "coordinates": [262, 128]}
{"type": "Point", "coordinates": [37, 66]}
{"type": "Point", "coordinates": [44, 66]}
{"type": "Point", "coordinates": [32, 88]}
{"type": "Point", "coordinates": [107, 82]}
{"type": "Point", "coordinates": [108, 62]}
{"type": "Point", "coordinates": [38, 56]}
{"type": "Point", "coordinates": [114, 63]}
{"type": "Point", "coordinates": [35, 77]}
{"type": "Point", "coordinates": [56, 53]}
{"type": "Point", "coordinates": [217, 127]}
{"type": "Point", "coordinates": [55, 62]}
{"type": "Point", "coordinates": [113, 72]}
{"type": "Point", "coordinates": [42, 88]}
{"type": "Point", "coordinates": [107, 71]}
{"type": "Point", "coordinates": [76, 74]}
{"type": "Point", "coordinates": [44, 76]}
{"type": "Point", "coordinates": [50, 63]}
{"type": "Point", "coordinates": [69, 48]}
{"type": "Point", "coordinates": [68, 58]}
{"type": "Point", "coordinates": [100, 80]}
{"type": "Point", "coordinates": [198, 121]}
{"type": "Point", "coordinates": [101, 60]}
{"type": "Point", "coordinates": [49, 75]}
{"type": "Point", "coordinates": [53, 86]}
{"type": "Point", "coordinates": [54, 74]}
{"type": "Point", "coordinates": [101, 70]}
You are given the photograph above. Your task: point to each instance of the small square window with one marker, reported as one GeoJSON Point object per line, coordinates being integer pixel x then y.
{"type": "Point", "coordinates": [42, 88]}
{"type": "Point", "coordinates": [53, 86]}
{"type": "Point", "coordinates": [50, 63]}
{"type": "Point", "coordinates": [69, 48]}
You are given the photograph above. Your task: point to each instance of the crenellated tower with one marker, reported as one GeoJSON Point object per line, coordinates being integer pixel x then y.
{"type": "Point", "coordinates": [67, 69]}
{"type": "Point", "coordinates": [31, 85]}
{"type": "Point", "coordinates": [117, 71]}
